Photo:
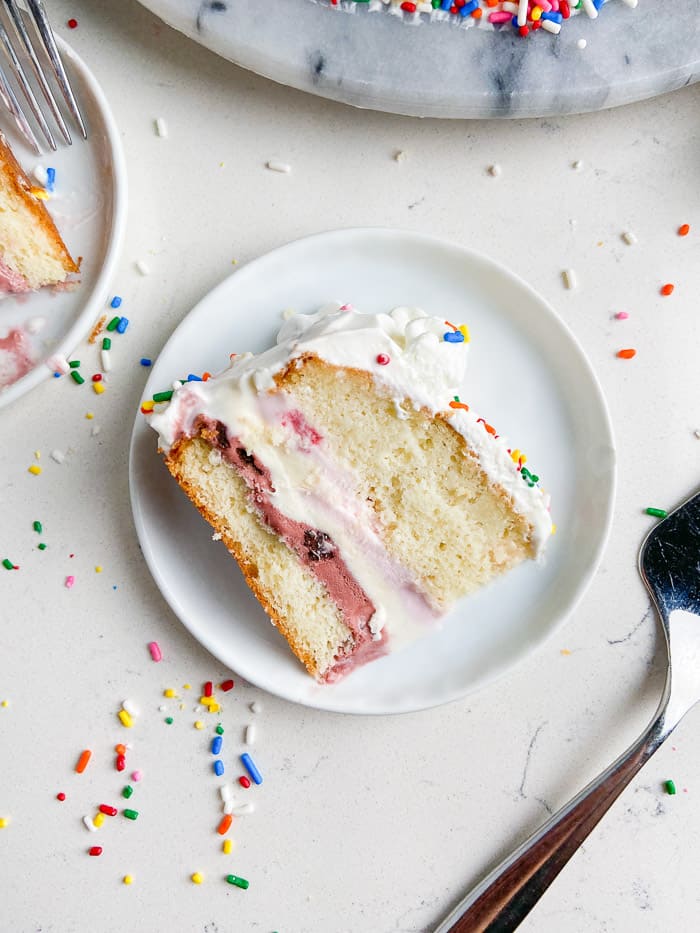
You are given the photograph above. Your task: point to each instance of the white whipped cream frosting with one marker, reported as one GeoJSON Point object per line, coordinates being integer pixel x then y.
{"type": "Point", "coordinates": [424, 370]}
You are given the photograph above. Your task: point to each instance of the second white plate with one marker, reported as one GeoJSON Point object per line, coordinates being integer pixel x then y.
{"type": "Point", "coordinates": [527, 375]}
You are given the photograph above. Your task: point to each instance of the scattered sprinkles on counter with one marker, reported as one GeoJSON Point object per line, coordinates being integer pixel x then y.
{"type": "Point", "coordinates": [276, 166]}
{"type": "Point", "coordinates": [523, 16]}
{"type": "Point", "coordinates": [667, 289]}
{"type": "Point", "coordinates": [657, 513]}
{"type": "Point", "coordinates": [627, 354]}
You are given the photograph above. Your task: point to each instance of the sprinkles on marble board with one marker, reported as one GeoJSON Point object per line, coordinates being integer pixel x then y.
{"type": "Point", "coordinates": [523, 16]}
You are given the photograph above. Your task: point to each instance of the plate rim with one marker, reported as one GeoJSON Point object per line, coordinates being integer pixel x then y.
{"type": "Point", "coordinates": [316, 700]}
{"type": "Point", "coordinates": [114, 239]}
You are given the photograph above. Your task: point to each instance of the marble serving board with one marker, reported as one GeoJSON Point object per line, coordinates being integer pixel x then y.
{"type": "Point", "coordinates": [438, 69]}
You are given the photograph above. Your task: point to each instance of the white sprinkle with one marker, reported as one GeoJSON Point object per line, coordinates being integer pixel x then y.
{"type": "Point", "coordinates": [225, 792]}
{"type": "Point", "coordinates": [89, 824]}
{"type": "Point", "coordinates": [629, 238]}
{"type": "Point", "coordinates": [569, 277]}
{"type": "Point", "coordinates": [549, 26]}
{"type": "Point", "coordinates": [131, 708]}
{"type": "Point", "coordinates": [228, 806]}
{"type": "Point", "coordinates": [250, 734]}
{"type": "Point", "coordinates": [161, 128]}
{"type": "Point", "coordinates": [522, 12]}
{"type": "Point", "coordinates": [105, 361]}
{"type": "Point", "coordinates": [243, 808]}
{"type": "Point", "coordinates": [256, 707]}
{"type": "Point", "coordinates": [142, 267]}
{"type": "Point", "coordinates": [58, 364]}
{"type": "Point", "coordinates": [58, 456]}
{"type": "Point", "coordinates": [162, 708]}
{"type": "Point", "coordinates": [581, 44]}
{"type": "Point", "coordinates": [399, 155]}
{"type": "Point", "coordinates": [509, 7]}
{"type": "Point", "coordinates": [494, 170]}
{"type": "Point", "coordinates": [95, 430]}
{"type": "Point", "coordinates": [35, 324]}
{"type": "Point", "coordinates": [589, 9]}
{"type": "Point", "coordinates": [632, 4]}
{"type": "Point", "coordinates": [577, 165]}
{"type": "Point", "coordinates": [276, 166]}
{"type": "Point", "coordinates": [41, 175]}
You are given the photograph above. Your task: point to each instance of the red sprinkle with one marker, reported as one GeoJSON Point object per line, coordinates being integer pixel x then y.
{"type": "Point", "coordinates": [684, 230]}
{"type": "Point", "coordinates": [121, 762]}
{"type": "Point", "coordinates": [244, 781]}
{"type": "Point", "coordinates": [105, 808]}
{"type": "Point", "coordinates": [95, 850]}
{"type": "Point", "coordinates": [72, 23]}
{"type": "Point", "coordinates": [97, 377]}
{"type": "Point", "coordinates": [382, 359]}
{"type": "Point", "coordinates": [226, 685]}
{"type": "Point", "coordinates": [565, 9]}
{"type": "Point", "coordinates": [208, 688]}
{"type": "Point", "coordinates": [60, 796]}
{"type": "Point", "coordinates": [408, 6]}
{"type": "Point", "coordinates": [667, 289]}
{"type": "Point", "coordinates": [626, 354]}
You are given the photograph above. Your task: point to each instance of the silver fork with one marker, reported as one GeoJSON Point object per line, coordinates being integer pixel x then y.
{"type": "Point", "coordinates": [28, 50]}
{"type": "Point", "coordinates": [670, 567]}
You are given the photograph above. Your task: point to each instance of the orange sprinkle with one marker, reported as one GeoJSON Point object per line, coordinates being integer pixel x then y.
{"type": "Point", "coordinates": [83, 760]}
{"type": "Point", "coordinates": [450, 325]}
{"type": "Point", "coordinates": [459, 405]}
{"type": "Point", "coordinates": [206, 377]}
{"type": "Point", "coordinates": [667, 289]}
{"type": "Point", "coordinates": [477, 14]}
{"type": "Point", "coordinates": [120, 749]}
{"type": "Point", "coordinates": [626, 354]}
{"type": "Point", "coordinates": [684, 230]}
{"type": "Point", "coordinates": [225, 824]}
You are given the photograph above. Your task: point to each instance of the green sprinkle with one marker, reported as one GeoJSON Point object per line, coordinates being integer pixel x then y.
{"type": "Point", "coordinates": [77, 377]}
{"type": "Point", "coordinates": [37, 527]}
{"type": "Point", "coordinates": [106, 343]}
{"type": "Point", "coordinates": [7, 564]}
{"type": "Point", "coordinates": [42, 546]}
{"type": "Point", "coordinates": [219, 729]}
{"type": "Point", "coordinates": [169, 720]}
{"type": "Point", "coordinates": [239, 882]}
{"type": "Point", "coordinates": [74, 364]}
{"type": "Point", "coordinates": [127, 792]}
{"type": "Point", "coordinates": [163, 396]}
{"type": "Point", "coordinates": [670, 787]}
{"type": "Point", "coordinates": [657, 513]}
{"type": "Point", "coordinates": [131, 814]}
{"type": "Point", "coordinates": [112, 326]}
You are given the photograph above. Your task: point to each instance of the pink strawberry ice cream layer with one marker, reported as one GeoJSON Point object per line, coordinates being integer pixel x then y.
{"type": "Point", "coordinates": [16, 357]}
{"type": "Point", "coordinates": [11, 281]}
{"type": "Point", "coordinates": [313, 547]}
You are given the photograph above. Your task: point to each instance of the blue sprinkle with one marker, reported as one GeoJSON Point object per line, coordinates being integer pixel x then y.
{"type": "Point", "coordinates": [193, 378]}
{"type": "Point", "coordinates": [115, 302]}
{"type": "Point", "coordinates": [123, 324]}
{"type": "Point", "coordinates": [50, 178]}
{"type": "Point", "coordinates": [145, 361]}
{"type": "Point", "coordinates": [553, 17]}
{"type": "Point", "coordinates": [57, 375]}
{"type": "Point", "coordinates": [216, 744]}
{"type": "Point", "coordinates": [453, 336]}
{"type": "Point", "coordinates": [251, 768]}
{"type": "Point", "coordinates": [218, 767]}
{"type": "Point", "coordinates": [469, 8]}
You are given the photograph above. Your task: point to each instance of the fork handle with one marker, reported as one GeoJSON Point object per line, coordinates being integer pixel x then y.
{"type": "Point", "coordinates": [505, 897]}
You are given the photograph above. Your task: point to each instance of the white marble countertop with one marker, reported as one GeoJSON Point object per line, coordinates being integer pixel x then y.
{"type": "Point", "coordinates": [362, 824]}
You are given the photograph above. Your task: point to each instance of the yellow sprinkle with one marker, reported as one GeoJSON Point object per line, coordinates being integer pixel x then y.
{"type": "Point", "coordinates": [98, 388]}
{"type": "Point", "coordinates": [40, 194]}
{"type": "Point", "coordinates": [5, 703]}
{"type": "Point", "coordinates": [227, 846]}
{"type": "Point", "coordinates": [89, 415]}
{"type": "Point", "coordinates": [98, 569]}
{"type": "Point", "coordinates": [554, 528]}
{"type": "Point", "coordinates": [199, 724]}
{"type": "Point", "coordinates": [4, 821]}
{"type": "Point", "coordinates": [564, 651]}
{"type": "Point", "coordinates": [37, 455]}
{"type": "Point", "coordinates": [98, 819]}
{"type": "Point", "coordinates": [128, 879]}
{"type": "Point", "coordinates": [234, 262]}
{"type": "Point", "coordinates": [214, 707]}
{"type": "Point", "coordinates": [206, 701]}
{"type": "Point", "coordinates": [36, 470]}
{"type": "Point", "coordinates": [187, 686]}
{"type": "Point", "coordinates": [197, 877]}
{"type": "Point", "coordinates": [169, 693]}
{"type": "Point", "coordinates": [535, 13]}
{"type": "Point", "coordinates": [148, 406]}
{"type": "Point", "coordinates": [464, 330]}
{"type": "Point", "coordinates": [125, 718]}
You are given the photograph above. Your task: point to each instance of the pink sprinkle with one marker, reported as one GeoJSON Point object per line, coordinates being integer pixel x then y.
{"type": "Point", "coordinates": [347, 307]}
{"type": "Point", "coordinates": [500, 17]}
{"type": "Point", "coordinates": [136, 776]}
{"type": "Point", "coordinates": [154, 648]}
{"type": "Point", "coordinates": [382, 359]}
{"type": "Point", "coordinates": [69, 582]}
{"type": "Point", "coordinates": [621, 316]}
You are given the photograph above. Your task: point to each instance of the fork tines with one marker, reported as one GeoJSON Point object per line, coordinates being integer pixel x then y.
{"type": "Point", "coordinates": [8, 42]}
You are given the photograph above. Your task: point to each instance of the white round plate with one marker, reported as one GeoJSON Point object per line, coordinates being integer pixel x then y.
{"type": "Point", "coordinates": [89, 209]}
{"type": "Point", "coordinates": [527, 375]}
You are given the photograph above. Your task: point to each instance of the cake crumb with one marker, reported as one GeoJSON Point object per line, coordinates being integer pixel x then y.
{"type": "Point", "coordinates": [494, 170]}
{"type": "Point", "coordinates": [581, 44]}
{"type": "Point", "coordinates": [58, 456]}
{"type": "Point", "coordinates": [399, 155]}
{"type": "Point", "coordinates": [569, 277]}
{"type": "Point", "coordinates": [216, 536]}
{"type": "Point", "coordinates": [629, 238]}
{"type": "Point", "coordinates": [577, 165]}
{"type": "Point", "coordinates": [142, 267]}
{"type": "Point", "coordinates": [275, 166]}
{"type": "Point", "coordinates": [97, 329]}
{"type": "Point", "coordinates": [256, 707]}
